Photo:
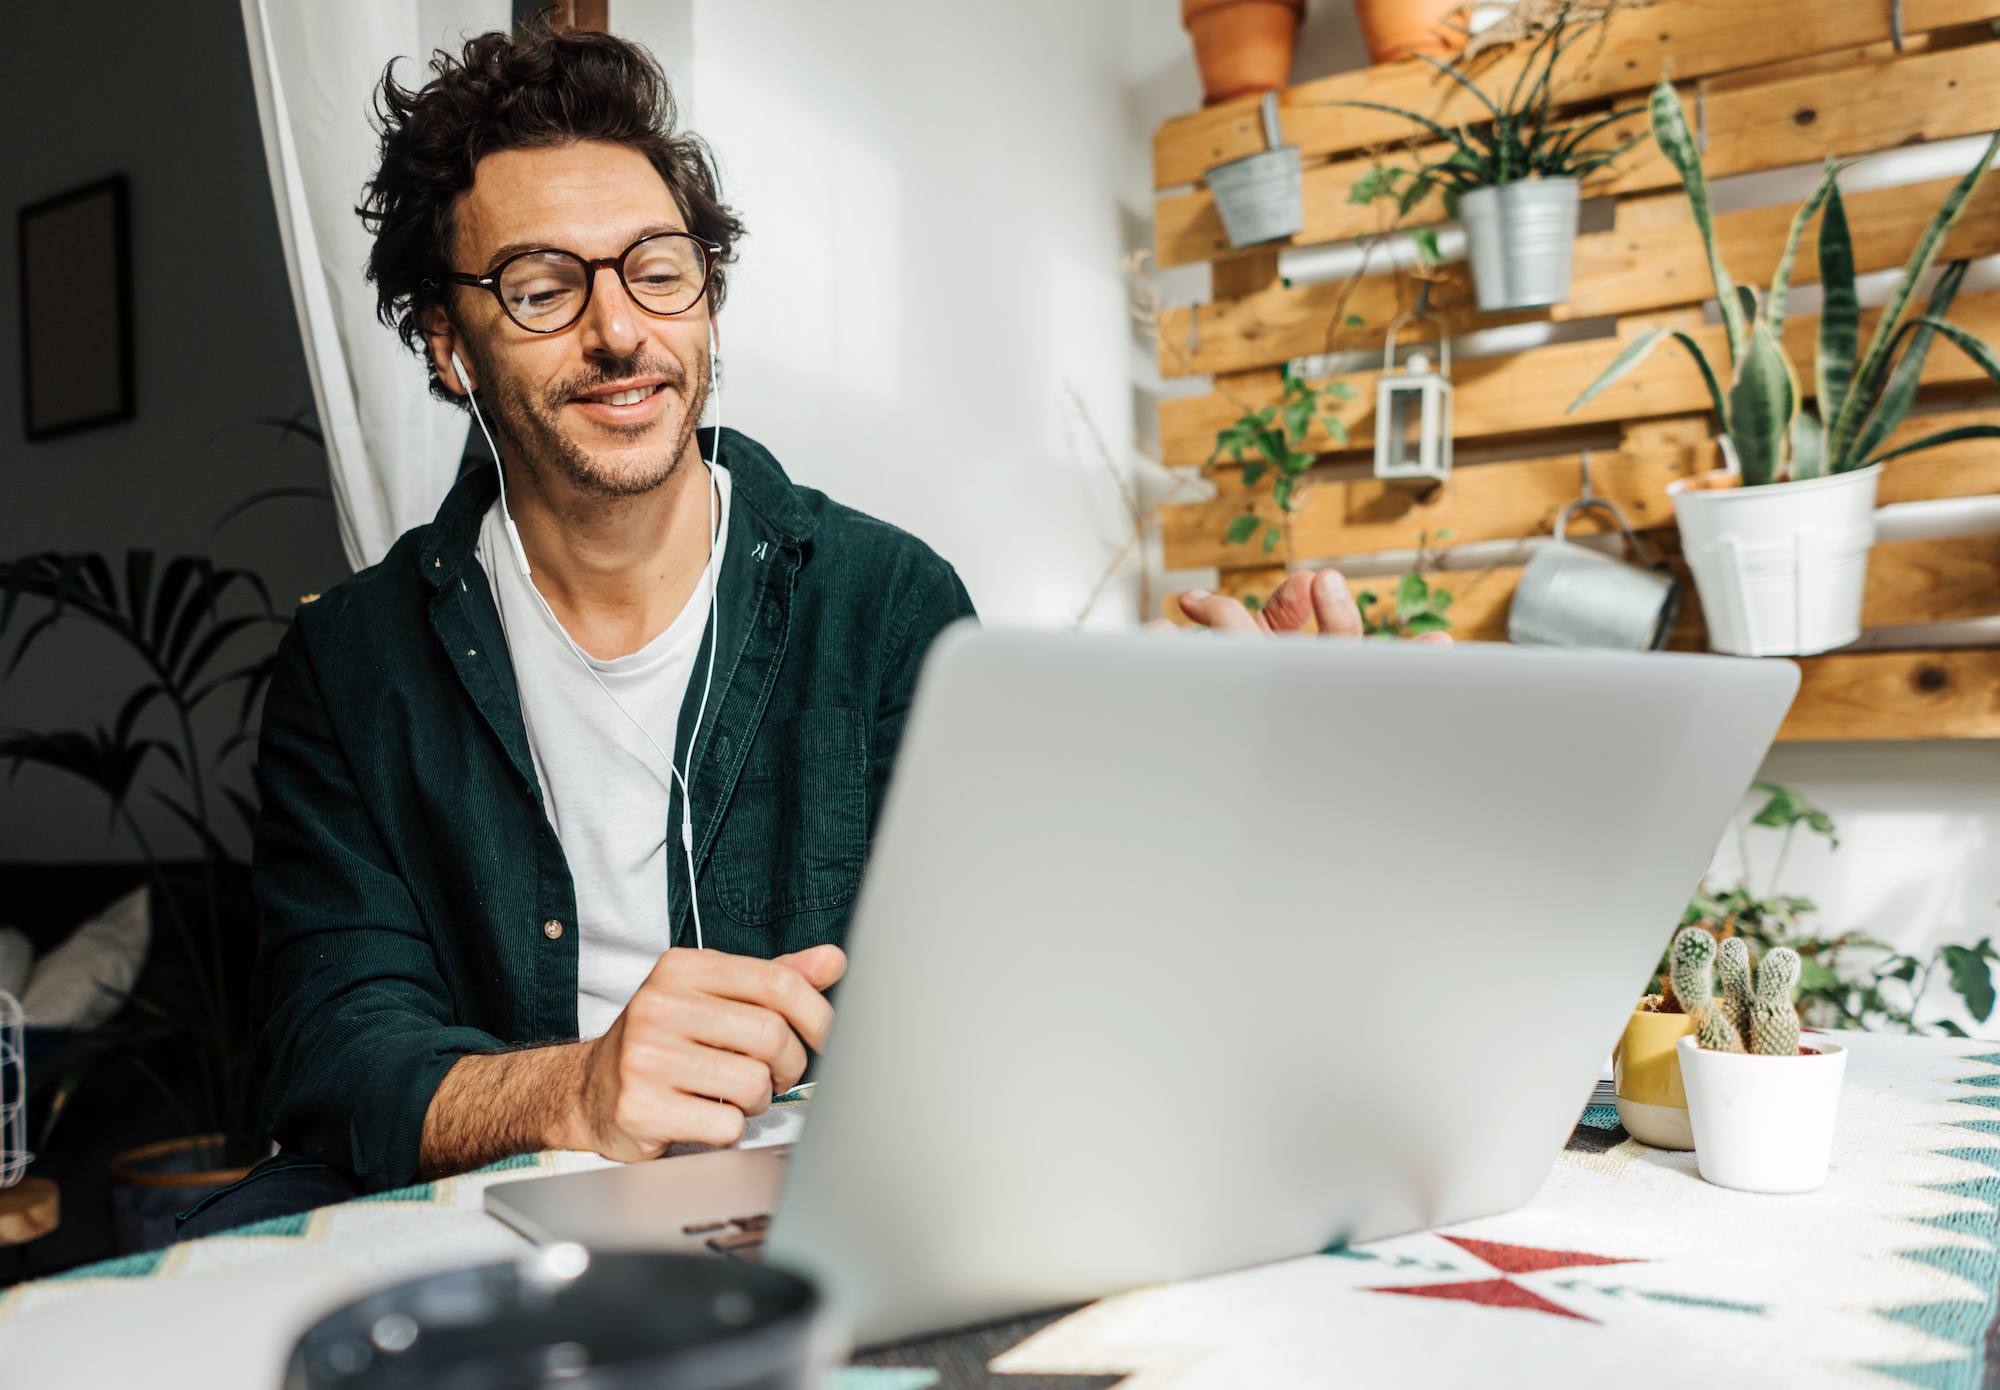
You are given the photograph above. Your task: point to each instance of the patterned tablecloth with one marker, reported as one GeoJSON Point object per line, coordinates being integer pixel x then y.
{"type": "Point", "coordinates": [1625, 1269]}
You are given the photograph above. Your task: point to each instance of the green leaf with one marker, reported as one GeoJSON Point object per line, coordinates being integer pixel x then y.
{"type": "Point", "coordinates": [1242, 528]}
{"type": "Point", "coordinates": [1271, 539]}
{"type": "Point", "coordinates": [1427, 622]}
{"type": "Point", "coordinates": [1336, 429]}
{"type": "Point", "coordinates": [1450, 137]}
{"type": "Point", "coordinates": [1253, 470]}
{"type": "Point", "coordinates": [1972, 977]}
{"type": "Point", "coordinates": [1839, 318]}
{"type": "Point", "coordinates": [1873, 363]}
{"type": "Point", "coordinates": [1762, 401]}
{"type": "Point", "coordinates": [1341, 390]}
{"type": "Point", "coordinates": [1425, 240]}
{"type": "Point", "coordinates": [1281, 493]}
{"type": "Point", "coordinates": [1892, 401]}
{"type": "Point", "coordinates": [1252, 602]}
{"type": "Point", "coordinates": [1411, 592]}
{"type": "Point", "coordinates": [1444, 533]}
{"type": "Point", "coordinates": [1676, 141]}
{"type": "Point", "coordinates": [1781, 278]}
{"type": "Point", "coordinates": [1297, 463]}
{"type": "Point", "coordinates": [1440, 600]}
{"type": "Point", "coordinates": [1808, 446]}
{"type": "Point", "coordinates": [1952, 1028]}
{"type": "Point", "coordinates": [1637, 350]}
{"type": "Point", "coordinates": [1353, 321]}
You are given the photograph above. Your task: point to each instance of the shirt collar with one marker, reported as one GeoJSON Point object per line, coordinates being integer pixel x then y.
{"type": "Point", "coordinates": [756, 482]}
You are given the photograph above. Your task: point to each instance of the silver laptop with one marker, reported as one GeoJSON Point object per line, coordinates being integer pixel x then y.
{"type": "Point", "coordinates": [1176, 955]}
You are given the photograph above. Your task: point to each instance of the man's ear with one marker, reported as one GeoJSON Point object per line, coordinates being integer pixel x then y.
{"type": "Point", "coordinates": [442, 336]}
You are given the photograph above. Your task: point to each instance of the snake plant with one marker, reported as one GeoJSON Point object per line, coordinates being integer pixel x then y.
{"type": "Point", "coordinates": [1861, 396]}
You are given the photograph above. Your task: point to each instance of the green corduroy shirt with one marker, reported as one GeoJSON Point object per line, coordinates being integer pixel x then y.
{"type": "Point", "coordinates": [415, 905]}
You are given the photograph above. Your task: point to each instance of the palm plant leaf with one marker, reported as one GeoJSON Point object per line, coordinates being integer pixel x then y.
{"type": "Point", "coordinates": [1636, 352]}
{"type": "Point", "coordinates": [1839, 317]}
{"type": "Point", "coordinates": [1574, 136]}
{"type": "Point", "coordinates": [1763, 397]}
{"type": "Point", "coordinates": [102, 759]}
{"type": "Point", "coordinates": [1676, 141]}
{"type": "Point", "coordinates": [1848, 423]}
{"type": "Point", "coordinates": [1891, 402]}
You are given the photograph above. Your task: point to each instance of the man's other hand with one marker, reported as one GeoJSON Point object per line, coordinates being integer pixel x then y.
{"type": "Point", "coordinates": [705, 1042]}
{"type": "Point", "coordinates": [1320, 596]}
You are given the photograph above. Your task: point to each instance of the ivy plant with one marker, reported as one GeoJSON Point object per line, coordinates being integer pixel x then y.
{"type": "Point", "coordinates": [1272, 442]}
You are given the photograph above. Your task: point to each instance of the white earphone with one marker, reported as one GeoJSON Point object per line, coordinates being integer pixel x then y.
{"type": "Point", "coordinates": [679, 774]}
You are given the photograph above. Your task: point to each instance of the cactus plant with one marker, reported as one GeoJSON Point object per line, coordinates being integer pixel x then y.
{"type": "Point", "coordinates": [1774, 1022]}
{"type": "Point", "coordinates": [1694, 983]}
{"type": "Point", "coordinates": [1732, 971]}
{"type": "Point", "coordinates": [1758, 406]}
{"type": "Point", "coordinates": [1755, 1006]}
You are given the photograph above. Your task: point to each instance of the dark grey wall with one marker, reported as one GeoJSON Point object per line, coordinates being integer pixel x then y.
{"type": "Point", "coordinates": [89, 90]}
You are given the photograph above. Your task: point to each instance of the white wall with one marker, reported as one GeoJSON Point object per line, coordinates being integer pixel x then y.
{"type": "Point", "coordinates": [933, 195]}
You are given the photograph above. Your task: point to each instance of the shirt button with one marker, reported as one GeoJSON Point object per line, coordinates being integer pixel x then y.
{"type": "Point", "coordinates": [552, 929]}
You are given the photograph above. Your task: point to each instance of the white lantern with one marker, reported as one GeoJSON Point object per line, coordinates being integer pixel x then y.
{"type": "Point", "coordinates": [1413, 416]}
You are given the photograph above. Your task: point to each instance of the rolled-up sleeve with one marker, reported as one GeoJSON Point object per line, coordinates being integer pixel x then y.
{"type": "Point", "coordinates": [354, 1017]}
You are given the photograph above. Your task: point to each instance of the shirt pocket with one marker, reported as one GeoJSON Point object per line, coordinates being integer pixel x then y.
{"type": "Point", "coordinates": [796, 836]}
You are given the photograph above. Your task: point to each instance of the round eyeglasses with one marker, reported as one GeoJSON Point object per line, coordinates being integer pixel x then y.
{"type": "Point", "coordinates": [547, 290]}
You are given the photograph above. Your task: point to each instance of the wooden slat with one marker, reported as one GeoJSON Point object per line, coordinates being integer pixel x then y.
{"type": "Point", "coordinates": [1700, 37]}
{"type": "Point", "coordinates": [1897, 695]}
{"type": "Point", "coordinates": [1528, 391]}
{"type": "Point", "coordinates": [1909, 582]}
{"type": "Point", "coordinates": [1874, 105]}
{"type": "Point", "coordinates": [1628, 270]}
{"type": "Point", "coordinates": [1502, 501]}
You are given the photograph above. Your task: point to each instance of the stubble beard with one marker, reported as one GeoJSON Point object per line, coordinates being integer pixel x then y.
{"type": "Point", "coordinates": [532, 425]}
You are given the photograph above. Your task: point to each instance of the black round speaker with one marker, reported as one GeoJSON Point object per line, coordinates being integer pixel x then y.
{"type": "Point", "coordinates": [581, 1321]}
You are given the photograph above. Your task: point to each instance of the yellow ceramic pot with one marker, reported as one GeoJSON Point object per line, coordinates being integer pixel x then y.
{"type": "Point", "coordinates": [1647, 1072]}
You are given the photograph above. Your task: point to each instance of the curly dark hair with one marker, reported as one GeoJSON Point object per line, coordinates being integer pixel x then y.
{"type": "Point", "coordinates": [527, 90]}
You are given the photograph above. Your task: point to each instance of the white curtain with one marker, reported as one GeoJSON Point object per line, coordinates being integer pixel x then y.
{"type": "Point", "coordinates": [391, 448]}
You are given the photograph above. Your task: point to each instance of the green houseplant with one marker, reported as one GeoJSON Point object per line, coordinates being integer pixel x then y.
{"type": "Point", "coordinates": [188, 624]}
{"type": "Point", "coordinates": [1511, 179]}
{"type": "Point", "coordinates": [1796, 473]}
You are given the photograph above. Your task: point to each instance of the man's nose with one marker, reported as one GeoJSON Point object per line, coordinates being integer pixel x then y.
{"type": "Point", "coordinates": [611, 323]}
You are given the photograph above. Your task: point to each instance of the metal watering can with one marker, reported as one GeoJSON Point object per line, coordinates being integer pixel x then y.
{"type": "Point", "coordinates": [1573, 596]}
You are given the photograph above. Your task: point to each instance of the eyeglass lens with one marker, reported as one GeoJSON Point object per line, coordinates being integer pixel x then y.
{"type": "Point", "coordinates": [548, 289]}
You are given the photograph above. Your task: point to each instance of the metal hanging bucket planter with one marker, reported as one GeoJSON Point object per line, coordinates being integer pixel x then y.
{"type": "Point", "coordinates": [1573, 596]}
{"type": "Point", "coordinates": [1259, 195]}
{"type": "Point", "coordinates": [1520, 238]}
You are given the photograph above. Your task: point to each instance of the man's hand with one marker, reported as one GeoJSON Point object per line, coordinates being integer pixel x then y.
{"type": "Point", "coordinates": [1320, 596]}
{"type": "Point", "coordinates": [706, 1041]}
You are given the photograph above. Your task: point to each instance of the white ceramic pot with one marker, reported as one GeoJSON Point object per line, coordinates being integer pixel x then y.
{"type": "Point", "coordinates": [1763, 1124]}
{"type": "Point", "coordinates": [1780, 568]}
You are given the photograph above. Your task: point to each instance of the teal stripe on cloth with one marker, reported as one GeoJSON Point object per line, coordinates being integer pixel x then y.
{"type": "Point", "coordinates": [293, 1225]}
{"type": "Point", "coordinates": [123, 1267]}
{"type": "Point", "coordinates": [1600, 1116]}
{"type": "Point", "coordinates": [882, 1378]}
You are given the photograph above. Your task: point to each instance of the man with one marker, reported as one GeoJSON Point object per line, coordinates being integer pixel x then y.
{"type": "Point", "coordinates": [477, 759]}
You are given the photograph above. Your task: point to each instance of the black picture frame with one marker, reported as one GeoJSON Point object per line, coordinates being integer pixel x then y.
{"type": "Point", "coordinates": [75, 252]}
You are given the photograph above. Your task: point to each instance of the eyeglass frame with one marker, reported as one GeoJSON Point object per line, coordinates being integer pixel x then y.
{"type": "Point", "coordinates": [490, 281]}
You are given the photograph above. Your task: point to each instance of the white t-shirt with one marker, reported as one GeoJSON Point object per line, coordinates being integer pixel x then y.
{"type": "Point", "coordinates": [605, 787]}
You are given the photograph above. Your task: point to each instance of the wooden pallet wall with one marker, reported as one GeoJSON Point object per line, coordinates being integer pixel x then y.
{"type": "Point", "coordinates": [1772, 84]}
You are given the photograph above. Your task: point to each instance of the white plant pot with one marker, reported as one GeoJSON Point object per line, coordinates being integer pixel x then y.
{"type": "Point", "coordinates": [1780, 568]}
{"type": "Point", "coordinates": [1763, 1124]}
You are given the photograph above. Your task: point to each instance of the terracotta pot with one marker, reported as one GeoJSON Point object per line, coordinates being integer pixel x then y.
{"type": "Point", "coordinates": [154, 1182]}
{"type": "Point", "coordinates": [1242, 47]}
{"type": "Point", "coordinates": [1395, 29]}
